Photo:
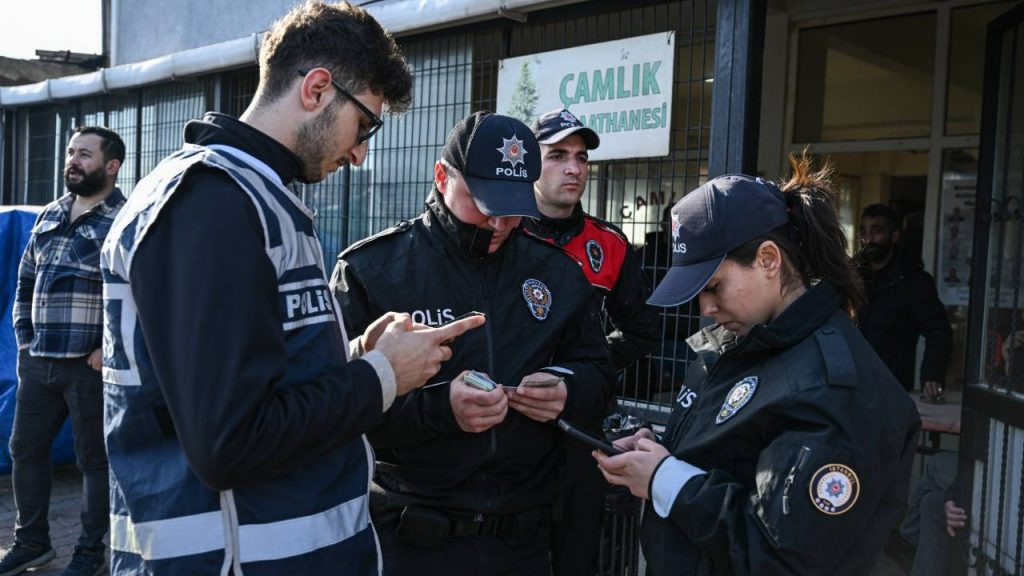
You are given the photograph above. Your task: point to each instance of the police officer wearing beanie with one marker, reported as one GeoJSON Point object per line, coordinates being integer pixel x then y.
{"type": "Point", "coordinates": [466, 478]}
{"type": "Point", "coordinates": [790, 447]}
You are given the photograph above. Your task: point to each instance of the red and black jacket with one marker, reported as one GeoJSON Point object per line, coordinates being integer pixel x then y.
{"type": "Point", "coordinates": [611, 265]}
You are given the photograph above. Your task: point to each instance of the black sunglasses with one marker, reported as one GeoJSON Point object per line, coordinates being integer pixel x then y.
{"type": "Point", "coordinates": [375, 121]}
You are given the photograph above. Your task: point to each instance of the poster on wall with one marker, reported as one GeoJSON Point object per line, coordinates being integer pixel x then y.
{"type": "Point", "coordinates": [620, 89]}
{"type": "Point", "coordinates": [956, 230]}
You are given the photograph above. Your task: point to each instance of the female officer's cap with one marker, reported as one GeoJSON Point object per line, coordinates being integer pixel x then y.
{"type": "Point", "coordinates": [720, 216]}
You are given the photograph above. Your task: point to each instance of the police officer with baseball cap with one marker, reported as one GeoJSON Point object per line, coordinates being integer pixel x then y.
{"type": "Point", "coordinates": [466, 478]}
{"type": "Point", "coordinates": [790, 445]}
{"type": "Point", "coordinates": [612, 266]}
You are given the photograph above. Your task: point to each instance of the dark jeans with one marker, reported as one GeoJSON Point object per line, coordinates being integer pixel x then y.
{"type": "Point", "coordinates": [49, 389]}
{"type": "Point", "coordinates": [465, 556]}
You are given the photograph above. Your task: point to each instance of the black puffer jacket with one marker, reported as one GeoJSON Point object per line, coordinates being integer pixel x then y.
{"type": "Point", "coordinates": [808, 474]}
{"type": "Point", "coordinates": [903, 305]}
{"type": "Point", "coordinates": [426, 268]}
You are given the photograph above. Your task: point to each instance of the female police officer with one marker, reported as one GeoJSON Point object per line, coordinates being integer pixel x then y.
{"type": "Point", "coordinates": [790, 446]}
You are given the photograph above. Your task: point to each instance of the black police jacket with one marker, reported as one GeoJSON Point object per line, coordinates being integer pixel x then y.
{"type": "Point", "coordinates": [807, 442]}
{"type": "Point", "coordinates": [903, 305]}
{"type": "Point", "coordinates": [540, 315]}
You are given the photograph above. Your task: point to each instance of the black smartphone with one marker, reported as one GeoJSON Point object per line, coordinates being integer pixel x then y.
{"type": "Point", "coordinates": [589, 439]}
{"type": "Point", "coordinates": [456, 319]}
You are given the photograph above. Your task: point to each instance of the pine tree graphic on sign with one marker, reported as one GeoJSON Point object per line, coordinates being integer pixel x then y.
{"type": "Point", "coordinates": [524, 98]}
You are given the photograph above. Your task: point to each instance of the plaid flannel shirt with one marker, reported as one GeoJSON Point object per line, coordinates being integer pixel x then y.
{"type": "Point", "coordinates": [58, 307]}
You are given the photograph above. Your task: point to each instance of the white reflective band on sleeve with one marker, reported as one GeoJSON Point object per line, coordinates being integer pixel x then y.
{"type": "Point", "coordinates": [297, 536]}
{"type": "Point", "coordinates": [669, 480]}
{"type": "Point", "coordinates": [190, 535]}
{"type": "Point", "coordinates": [171, 538]}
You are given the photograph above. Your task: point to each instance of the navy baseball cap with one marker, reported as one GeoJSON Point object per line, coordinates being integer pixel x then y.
{"type": "Point", "coordinates": [558, 125]}
{"type": "Point", "coordinates": [500, 160]}
{"type": "Point", "coordinates": [708, 223]}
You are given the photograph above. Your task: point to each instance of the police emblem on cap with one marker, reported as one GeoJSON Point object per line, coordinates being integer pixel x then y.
{"type": "Point", "coordinates": [512, 151]}
{"type": "Point", "coordinates": [538, 298]}
{"type": "Point", "coordinates": [568, 117]}
{"type": "Point", "coordinates": [675, 228]}
{"type": "Point", "coordinates": [738, 397]}
{"type": "Point", "coordinates": [595, 254]}
{"type": "Point", "coordinates": [834, 489]}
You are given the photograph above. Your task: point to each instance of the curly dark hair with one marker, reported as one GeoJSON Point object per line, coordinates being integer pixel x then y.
{"type": "Point", "coordinates": [343, 38]}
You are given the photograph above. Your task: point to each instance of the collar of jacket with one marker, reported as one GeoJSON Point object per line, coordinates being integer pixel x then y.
{"type": "Point", "coordinates": [561, 231]}
{"type": "Point", "coordinates": [469, 239]}
{"type": "Point", "coordinates": [216, 128]}
{"type": "Point", "coordinates": [796, 323]}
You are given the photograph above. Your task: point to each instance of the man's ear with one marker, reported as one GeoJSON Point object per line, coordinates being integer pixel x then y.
{"type": "Point", "coordinates": [440, 178]}
{"type": "Point", "coordinates": [895, 236]}
{"type": "Point", "coordinates": [769, 258]}
{"type": "Point", "coordinates": [112, 167]}
{"type": "Point", "coordinates": [314, 89]}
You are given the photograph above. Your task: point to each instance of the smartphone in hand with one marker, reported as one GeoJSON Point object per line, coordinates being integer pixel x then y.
{"type": "Point", "coordinates": [589, 439]}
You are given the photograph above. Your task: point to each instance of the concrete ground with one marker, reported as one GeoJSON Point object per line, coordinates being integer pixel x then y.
{"type": "Point", "coordinates": [64, 507]}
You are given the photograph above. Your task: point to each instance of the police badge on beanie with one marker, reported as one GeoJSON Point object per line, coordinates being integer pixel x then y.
{"type": "Point", "coordinates": [500, 160]}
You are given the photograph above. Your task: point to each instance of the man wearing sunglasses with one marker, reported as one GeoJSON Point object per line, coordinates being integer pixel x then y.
{"type": "Point", "coordinates": [234, 421]}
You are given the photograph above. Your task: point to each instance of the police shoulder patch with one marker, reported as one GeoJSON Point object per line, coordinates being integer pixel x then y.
{"type": "Point", "coordinates": [595, 254]}
{"type": "Point", "coordinates": [538, 298]}
{"type": "Point", "coordinates": [834, 489]}
{"type": "Point", "coordinates": [738, 396]}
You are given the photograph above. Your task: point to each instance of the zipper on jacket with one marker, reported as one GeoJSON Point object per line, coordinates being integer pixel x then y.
{"type": "Point", "coordinates": [800, 459]}
{"type": "Point", "coordinates": [490, 348]}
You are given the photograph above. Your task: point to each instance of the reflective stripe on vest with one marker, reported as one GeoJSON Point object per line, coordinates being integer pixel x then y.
{"type": "Point", "coordinates": [199, 533]}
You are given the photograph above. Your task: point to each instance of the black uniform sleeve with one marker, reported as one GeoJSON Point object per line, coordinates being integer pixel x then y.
{"type": "Point", "coordinates": [637, 325]}
{"type": "Point", "coordinates": [930, 321]}
{"type": "Point", "coordinates": [208, 307]}
{"type": "Point", "coordinates": [783, 525]}
{"type": "Point", "coordinates": [415, 418]}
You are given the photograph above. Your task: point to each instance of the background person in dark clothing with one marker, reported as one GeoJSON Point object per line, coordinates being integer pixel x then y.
{"type": "Point", "coordinates": [790, 448]}
{"type": "Point", "coordinates": [58, 322]}
{"type": "Point", "coordinates": [902, 304]}
{"type": "Point", "coordinates": [613, 268]}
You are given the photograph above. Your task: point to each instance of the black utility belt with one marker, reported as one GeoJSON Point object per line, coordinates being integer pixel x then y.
{"type": "Point", "coordinates": [428, 527]}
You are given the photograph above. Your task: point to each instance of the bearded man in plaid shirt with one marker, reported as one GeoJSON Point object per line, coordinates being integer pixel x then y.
{"type": "Point", "coordinates": [58, 316]}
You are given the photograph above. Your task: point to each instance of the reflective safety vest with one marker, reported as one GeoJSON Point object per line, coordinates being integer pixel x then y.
{"type": "Point", "coordinates": [163, 520]}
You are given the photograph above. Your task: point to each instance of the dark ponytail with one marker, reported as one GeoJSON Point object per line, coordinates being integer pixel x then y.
{"type": "Point", "coordinates": [813, 242]}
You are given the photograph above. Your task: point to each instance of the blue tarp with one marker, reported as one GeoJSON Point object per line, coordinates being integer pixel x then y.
{"type": "Point", "coordinates": [15, 225]}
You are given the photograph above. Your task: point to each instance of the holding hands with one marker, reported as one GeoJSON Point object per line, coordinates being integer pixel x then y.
{"type": "Point", "coordinates": [540, 403]}
{"type": "Point", "coordinates": [476, 410]}
{"type": "Point", "coordinates": [634, 468]}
